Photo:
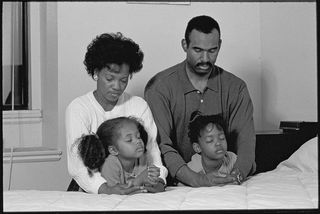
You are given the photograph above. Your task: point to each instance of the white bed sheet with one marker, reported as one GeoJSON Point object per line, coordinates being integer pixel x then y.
{"type": "Point", "coordinates": [292, 185]}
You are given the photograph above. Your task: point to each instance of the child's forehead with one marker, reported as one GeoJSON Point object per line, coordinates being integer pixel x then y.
{"type": "Point", "coordinates": [210, 127]}
{"type": "Point", "coordinates": [128, 124]}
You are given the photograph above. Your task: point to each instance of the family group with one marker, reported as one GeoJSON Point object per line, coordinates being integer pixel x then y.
{"type": "Point", "coordinates": [193, 126]}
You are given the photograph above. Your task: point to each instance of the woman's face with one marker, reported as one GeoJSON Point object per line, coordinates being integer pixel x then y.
{"type": "Point", "coordinates": [112, 82]}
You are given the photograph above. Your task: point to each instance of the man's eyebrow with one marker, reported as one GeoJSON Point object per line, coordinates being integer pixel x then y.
{"type": "Point", "coordinates": [196, 47]}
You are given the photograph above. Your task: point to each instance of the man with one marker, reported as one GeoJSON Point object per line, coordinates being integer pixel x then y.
{"type": "Point", "coordinates": [197, 84]}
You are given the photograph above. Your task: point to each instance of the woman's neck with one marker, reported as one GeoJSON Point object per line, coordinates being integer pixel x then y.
{"type": "Point", "coordinates": [210, 165]}
{"type": "Point", "coordinates": [105, 104]}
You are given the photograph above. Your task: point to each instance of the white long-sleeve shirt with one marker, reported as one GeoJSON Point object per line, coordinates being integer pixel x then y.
{"type": "Point", "coordinates": [84, 115]}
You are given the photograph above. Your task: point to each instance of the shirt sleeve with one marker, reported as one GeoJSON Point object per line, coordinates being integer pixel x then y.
{"type": "Point", "coordinates": [153, 151]}
{"type": "Point", "coordinates": [76, 126]}
{"type": "Point", "coordinates": [161, 111]}
{"type": "Point", "coordinates": [242, 126]}
{"type": "Point", "coordinates": [112, 171]}
{"type": "Point", "coordinates": [195, 163]}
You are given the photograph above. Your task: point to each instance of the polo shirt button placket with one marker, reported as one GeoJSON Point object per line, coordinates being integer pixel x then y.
{"type": "Point", "coordinates": [201, 100]}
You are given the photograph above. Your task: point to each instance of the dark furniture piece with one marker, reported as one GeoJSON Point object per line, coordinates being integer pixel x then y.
{"type": "Point", "coordinates": [273, 147]}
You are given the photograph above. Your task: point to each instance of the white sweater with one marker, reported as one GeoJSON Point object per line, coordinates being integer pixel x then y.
{"type": "Point", "coordinates": [84, 115]}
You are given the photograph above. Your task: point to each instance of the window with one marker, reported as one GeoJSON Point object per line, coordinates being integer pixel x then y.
{"type": "Point", "coordinates": [15, 91]}
{"type": "Point", "coordinates": [30, 125]}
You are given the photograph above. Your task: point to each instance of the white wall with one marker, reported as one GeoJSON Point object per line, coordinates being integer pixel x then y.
{"type": "Point", "coordinates": [272, 46]}
{"type": "Point", "coordinates": [289, 63]}
{"type": "Point", "coordinates": [159, 30]}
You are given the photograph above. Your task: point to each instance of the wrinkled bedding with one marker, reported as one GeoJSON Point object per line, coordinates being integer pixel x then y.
{"type": "Point", "coordinates": [292, 185]}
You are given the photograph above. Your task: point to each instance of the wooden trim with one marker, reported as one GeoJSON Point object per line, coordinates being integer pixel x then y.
{"type": "Point", "coordinates": [31, 154]}
{"type": "Point", "coordinates": [22, 117]}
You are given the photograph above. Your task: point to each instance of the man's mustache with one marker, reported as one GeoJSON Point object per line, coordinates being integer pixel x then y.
{"type": "Point", "coordinates": [204, 64]}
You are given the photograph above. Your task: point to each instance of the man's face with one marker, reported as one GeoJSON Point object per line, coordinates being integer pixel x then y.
{"type": "Point", "coordinates": [202, 50]}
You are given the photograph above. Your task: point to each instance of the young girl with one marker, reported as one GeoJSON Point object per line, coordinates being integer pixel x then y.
{"type": "Point", "coordinates": [208, 140]}
{"type": "Point", "coordinates": [117, 150]}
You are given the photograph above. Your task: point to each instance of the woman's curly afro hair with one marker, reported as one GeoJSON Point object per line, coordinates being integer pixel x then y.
{"type": "Point", "coordinates": [113, 48]}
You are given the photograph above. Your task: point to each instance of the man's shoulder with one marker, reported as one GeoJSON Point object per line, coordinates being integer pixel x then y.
{"type": "Point", "coordinates": [165, 77]}
{"type": "Point", "coordinates": [228, 76]}
{"type": "Point", "coordinates": [231, 80]}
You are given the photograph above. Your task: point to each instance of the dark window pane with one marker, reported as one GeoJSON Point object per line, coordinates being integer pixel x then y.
{"type": "Point", "coordinates": [14, 56]}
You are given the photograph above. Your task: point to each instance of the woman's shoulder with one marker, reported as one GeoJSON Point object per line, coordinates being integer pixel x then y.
{"type": "Point", "coordinates": [134, 100]}
{"type": "Point", "coordinates": [81, 102]}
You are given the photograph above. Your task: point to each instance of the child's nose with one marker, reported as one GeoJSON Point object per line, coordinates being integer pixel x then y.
{"type": "Point", "coordinates": [139, 142]}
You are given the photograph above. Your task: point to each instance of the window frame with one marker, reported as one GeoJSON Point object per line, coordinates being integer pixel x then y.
{"type": "Point", "coordinates": [42, 21]}
{"type": "Point", "coordinates": [25, 105]}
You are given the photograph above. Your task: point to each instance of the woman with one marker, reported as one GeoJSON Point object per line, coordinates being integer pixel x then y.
{"type": "Point", "coordinates": [111, 59]}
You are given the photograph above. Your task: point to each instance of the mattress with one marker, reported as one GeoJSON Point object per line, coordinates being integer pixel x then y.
{"type": "Point", "coordinates": [292, 185]}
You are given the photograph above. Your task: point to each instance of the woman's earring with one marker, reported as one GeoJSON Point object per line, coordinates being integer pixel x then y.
{"type": "Point", "coordinates": [95, 77]}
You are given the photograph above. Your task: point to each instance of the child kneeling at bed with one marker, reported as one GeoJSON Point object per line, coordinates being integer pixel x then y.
{"type": "Point", "coordinates": [207, 135]}
{"type": "Point", "coordinates": [118, 151]}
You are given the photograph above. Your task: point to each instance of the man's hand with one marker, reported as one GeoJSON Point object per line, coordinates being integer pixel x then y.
{"type": "Point", "coordinates": [191, 178]}
{"type": "Point", "coordinates": [121, 189]}
{"type": "Point", "coordinates": [236, 173]}
{"type": "Point", "coordinates": [216, 180]}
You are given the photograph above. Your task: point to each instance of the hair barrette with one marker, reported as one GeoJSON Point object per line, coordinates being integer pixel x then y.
{"type": "Point", "coordinates": [92, 133]}
{"type": "Point", "coordinates": [194, 115]}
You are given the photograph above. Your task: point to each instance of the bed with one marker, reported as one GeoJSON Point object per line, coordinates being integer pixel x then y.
{"type": "Point", "coordinates": [292, 185]}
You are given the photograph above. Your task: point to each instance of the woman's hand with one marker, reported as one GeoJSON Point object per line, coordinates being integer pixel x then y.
{"type": "Point", "coordinates": [148, 176]}
{"type": "Point", "coordinates": [158, 187]}
{"type": "Point", "coordinates": [121, 189]}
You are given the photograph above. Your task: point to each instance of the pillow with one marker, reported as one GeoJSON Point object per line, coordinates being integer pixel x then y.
{"type": "Point", "coordinates": [305, 159]}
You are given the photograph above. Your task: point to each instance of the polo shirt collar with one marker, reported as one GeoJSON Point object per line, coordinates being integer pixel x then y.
{"type": "Point", "coordinates": [212, 83]}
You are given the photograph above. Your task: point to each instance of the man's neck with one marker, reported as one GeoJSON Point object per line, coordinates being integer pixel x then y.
{"type": "Point", "coordinates": [199, 82]}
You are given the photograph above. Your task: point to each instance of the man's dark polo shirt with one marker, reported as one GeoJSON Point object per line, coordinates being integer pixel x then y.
{"type": "Point", "coordinates": [172, 98]}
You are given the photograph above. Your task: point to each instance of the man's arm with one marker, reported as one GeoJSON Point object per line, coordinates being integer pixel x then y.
{"type": "Point", "coordinates": [159, 104]}
{"type": "Point", "coordinates": [241, 121]}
